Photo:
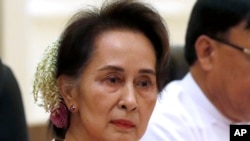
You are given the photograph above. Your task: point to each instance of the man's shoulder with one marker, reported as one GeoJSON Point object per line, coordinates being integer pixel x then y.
{"type": "Point", "coordinates": [175, 102]}
{"type": "Point", "coordinates": [172, 95]}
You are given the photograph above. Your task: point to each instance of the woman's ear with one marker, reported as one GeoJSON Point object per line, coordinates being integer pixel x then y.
{"type": "Point", "coordinates": [66, 87]}
{"type": "Point", "coordinates": [204, 51]}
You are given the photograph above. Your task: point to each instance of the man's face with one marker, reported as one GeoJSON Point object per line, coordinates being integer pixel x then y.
{"type": "Point", "coordinates": [229, 80]}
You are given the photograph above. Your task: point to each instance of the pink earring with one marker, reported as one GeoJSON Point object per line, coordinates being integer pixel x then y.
{"type": "Point", "coordinates": [72, 108]}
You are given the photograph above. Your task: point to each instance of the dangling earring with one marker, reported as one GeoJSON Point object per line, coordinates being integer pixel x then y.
{"type": "Point", "coordinates": [72, 108]}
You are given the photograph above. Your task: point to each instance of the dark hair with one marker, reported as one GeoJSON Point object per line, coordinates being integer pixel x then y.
{"type": "Point", "coordinates": [214, 18]}
{"type": "Point", "coordinates": [77, 41]}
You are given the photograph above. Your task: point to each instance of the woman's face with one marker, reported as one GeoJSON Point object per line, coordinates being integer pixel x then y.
{"type": "Point", "coordinates": [117, 90]}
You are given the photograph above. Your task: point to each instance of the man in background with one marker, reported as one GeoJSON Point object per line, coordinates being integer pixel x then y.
{"type": "Point", "coordinates": [216, 91]}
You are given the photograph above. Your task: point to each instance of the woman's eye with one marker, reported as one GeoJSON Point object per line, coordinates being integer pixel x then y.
{"type": "Point", "coordinates": [144, 83]}
{"type": "Point", "coordinates": [113, 80]}
{"type": "Point", "coordinates": [111, 83]}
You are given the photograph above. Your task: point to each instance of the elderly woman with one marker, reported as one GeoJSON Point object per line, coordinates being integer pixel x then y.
{"type": "Point", "coordinates": [101, 79]}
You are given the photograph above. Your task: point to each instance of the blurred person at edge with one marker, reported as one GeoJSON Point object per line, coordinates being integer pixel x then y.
{"type": "Point", "coordinates": [216, 91]}
{"type": "Point", "coordinates": [13, 126]}
{"type": "Point", "coordinates": [101, 79]}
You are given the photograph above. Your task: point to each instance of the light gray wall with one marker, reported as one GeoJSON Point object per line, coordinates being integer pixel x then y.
{"type": "Point", "coordinates": [1, 13]}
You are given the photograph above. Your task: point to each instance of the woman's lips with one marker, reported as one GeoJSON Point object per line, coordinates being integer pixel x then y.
{"type": "Point", "coordinates": [123, 123]}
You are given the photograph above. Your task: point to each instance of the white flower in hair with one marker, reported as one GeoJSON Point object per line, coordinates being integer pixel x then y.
{"type": "Point", "coordinates": [44, 86]}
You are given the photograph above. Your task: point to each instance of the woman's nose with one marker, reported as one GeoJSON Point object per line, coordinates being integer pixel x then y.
{"type": "Point", "coordinates": [128, 99]}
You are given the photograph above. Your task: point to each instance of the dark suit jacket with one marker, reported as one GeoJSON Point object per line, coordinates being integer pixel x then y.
{"type": "Point", "coordinates": [13, 125]}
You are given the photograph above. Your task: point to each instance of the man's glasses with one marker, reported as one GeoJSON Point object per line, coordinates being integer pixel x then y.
{"type": "Point", "coordinates": [244, 50]}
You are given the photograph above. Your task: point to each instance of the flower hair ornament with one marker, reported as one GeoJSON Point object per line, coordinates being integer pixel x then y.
{"type": "Point", "coordinates": [45, 88]}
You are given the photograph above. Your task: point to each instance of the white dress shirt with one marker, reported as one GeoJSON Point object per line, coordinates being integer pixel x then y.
{"type": "Point", "coordinates": [183, 113]}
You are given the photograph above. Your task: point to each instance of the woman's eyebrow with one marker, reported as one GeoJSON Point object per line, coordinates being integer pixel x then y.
{"type": "Point", "coordinates": [111, 67]}
{"type": "Point", "coordinates": [116, 68]}
{"type": "Point", "coordinates": [147, 71]}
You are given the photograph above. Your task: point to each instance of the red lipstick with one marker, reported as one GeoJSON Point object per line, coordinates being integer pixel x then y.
{"type": "Point", "coordinates": [121, 123]}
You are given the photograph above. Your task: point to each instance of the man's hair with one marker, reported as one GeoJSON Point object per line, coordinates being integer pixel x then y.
{"type": "Point", "coordinates": [214, 18]}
